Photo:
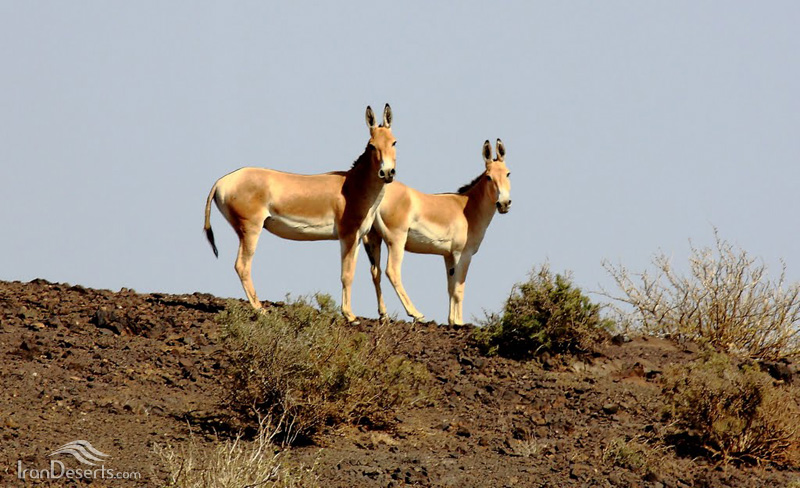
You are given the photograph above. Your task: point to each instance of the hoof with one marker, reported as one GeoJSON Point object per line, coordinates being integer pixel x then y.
{"type": "Point", "coordinates": [416, 317]}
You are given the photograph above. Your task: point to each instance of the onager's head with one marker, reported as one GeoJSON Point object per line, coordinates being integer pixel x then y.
{"type": "Point", "coordinates": [381, 142]}
{"type": "Point", "coordinates": [497, 175]}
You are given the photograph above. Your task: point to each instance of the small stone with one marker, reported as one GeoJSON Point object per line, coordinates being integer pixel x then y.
{"type": "Point", "coordinates": [466, 361]}
{"type": "Point", "coordinates": [610, 408]}
{"type": "Point", "coordinates": [651, 373]}
{"type": "Point", "coordinates": [462, 431]}
{"type": "Point", "coordinates": [108, 320]}
{"type": "Point", "coordinates": [26, 313]}
{"type": "Point", "coordinates": [779, 370]}
{"type": "Point", "coordinates": [637, 370]}
{"type": "Point", "coordinates": [371, 471]}
{"type": "Point", "coordinates": [580, 471]}
{"type": "Point", "coordinates": [26, 351]}
{"type": "Point", "coordinates": [652, 477]}
{"type": "Point", "coordinates": [620, 339]}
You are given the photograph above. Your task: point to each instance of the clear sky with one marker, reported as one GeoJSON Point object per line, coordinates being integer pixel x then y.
{"type": "Point", "coordinates": [630, 127]}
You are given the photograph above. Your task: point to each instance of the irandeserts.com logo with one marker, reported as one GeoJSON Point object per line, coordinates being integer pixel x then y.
{"type": "Point", "coordinates": [83, 452]}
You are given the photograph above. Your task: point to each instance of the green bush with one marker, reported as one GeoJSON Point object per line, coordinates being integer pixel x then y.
{"type": "Point", "coordinates": [304, 366]}
{"type": "Point", "coordinates": [735, 411]}
{"type": "Point", "coordinates": [546, 313]}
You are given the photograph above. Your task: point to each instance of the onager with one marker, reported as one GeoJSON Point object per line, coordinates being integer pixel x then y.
{"type": "Point", "coordinates": [337, 205]}
{"type": "Point", "coordinates": [449, 224]}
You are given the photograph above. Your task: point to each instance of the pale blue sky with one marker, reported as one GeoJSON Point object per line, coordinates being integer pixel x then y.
{"type": "Point", "coordinates": [630, 127]}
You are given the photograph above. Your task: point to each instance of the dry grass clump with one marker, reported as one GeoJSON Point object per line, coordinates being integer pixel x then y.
{"type": "Point", "coordinates": [726, 301]}
{"type": "Point", "coordinates": [735, 412]}
{"type": "Point", "coordinates": [547, 313]}
{"type": "Point", "coordinates": [304, 365]}
{"type": "Point", "coordinates": [233, 463]}
{"type": "Point", "coordinates": [635, 455]}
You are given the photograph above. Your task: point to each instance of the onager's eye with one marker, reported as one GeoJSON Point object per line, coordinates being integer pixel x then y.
{"type": "Point", "coordinates": [488, 178]}
{"type": "Point", "coordinates": [394, 143]}
{"type": "Point", "coordinates": [508, 174]}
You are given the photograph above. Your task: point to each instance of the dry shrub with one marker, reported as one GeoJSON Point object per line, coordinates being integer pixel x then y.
{"type": "Point", "coordinates": [527, 445]}
{"type": "Point", "coordinates": [233, 463]}
{"type": "Point", "coordinates": [727, 301]}
{"type": "Point", "coordinates": [735, 411]}
{"type": "Point", "coordinates": [635, 455]}
{"type": "Point", "coordinates": [626, 454]}
{"type": "Point", "coordinates": [304, 365]}
{"type": "Point", "coordinates": [547, 313]}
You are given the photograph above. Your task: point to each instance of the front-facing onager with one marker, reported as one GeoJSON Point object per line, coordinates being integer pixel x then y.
{"type": "Point", "coordinates": [448, 224]}
{"type": "Point", "coordinates": [338, 205]}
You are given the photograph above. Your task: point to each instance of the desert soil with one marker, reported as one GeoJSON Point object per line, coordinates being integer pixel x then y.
{"type": "Point", "coordinates": [128, 371]}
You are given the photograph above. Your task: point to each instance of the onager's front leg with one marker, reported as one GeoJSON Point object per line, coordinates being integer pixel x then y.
{"type": "Point", "coordinates": [457, 266]}
{"type": "Point", "coordinates": [349, 246]}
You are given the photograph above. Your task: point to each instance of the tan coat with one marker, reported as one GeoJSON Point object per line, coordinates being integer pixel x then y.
{"type": "Point", "coordinates": [449, 224]}
{"type": "Point", "coordinates": [332, 206]}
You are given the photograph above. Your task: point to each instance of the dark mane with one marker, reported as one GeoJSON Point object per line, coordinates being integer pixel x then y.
{"type": "Point", "coordinates": [469, 186]}
{"type": "Point", "coordinates": [363, 159]}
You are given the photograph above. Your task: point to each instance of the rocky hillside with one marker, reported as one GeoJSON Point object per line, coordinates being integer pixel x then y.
{"type": "Point", "coordinates": [128, 371]}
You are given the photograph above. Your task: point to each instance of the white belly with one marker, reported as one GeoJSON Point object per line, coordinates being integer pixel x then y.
{"type": "Point", "coordinates": [301, 229]}
{"type": "Point", "coordinates": [423, 241]}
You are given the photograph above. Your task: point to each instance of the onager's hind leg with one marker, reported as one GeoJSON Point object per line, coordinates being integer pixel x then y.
{"type": "Point", "coordinates": [450, 268]}
{"type": "Point", "coordinates": [248, 240]}
{"type": "Point", "coordinates": [394, 266]}
{"type": "Point", "coordinates": [372, 245]}
{"type": "Point", "coordinates": [462, 267]}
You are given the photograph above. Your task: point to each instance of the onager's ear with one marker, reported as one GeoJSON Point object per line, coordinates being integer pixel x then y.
{"type": "Point", "coordinates": [387, 116]}
{"type": "Point", "coordinates": [487, 152]}
{"type": "Point", "coordinates": [371, 119]}
{"type": "Point", "coordinates": [501, 151]}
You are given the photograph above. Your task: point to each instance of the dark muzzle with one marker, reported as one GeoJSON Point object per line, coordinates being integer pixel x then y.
{"type": "Point", "coordinates": [503, 207]}
{"type": "Point", "coordinates": [388, 177]}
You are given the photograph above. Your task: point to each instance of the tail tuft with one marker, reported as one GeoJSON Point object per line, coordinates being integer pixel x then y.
{"type": "Point", "coordinates": [207, 225]}
{"type": "Point", "coordinates": [210, 237]}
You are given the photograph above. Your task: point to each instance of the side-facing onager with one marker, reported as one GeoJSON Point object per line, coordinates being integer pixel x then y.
{"type": "Point", "coordinates": [338, 205]}
{"type": "Point", "coordinates": [448, 224]}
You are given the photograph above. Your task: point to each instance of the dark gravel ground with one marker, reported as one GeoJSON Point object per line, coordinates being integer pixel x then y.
{"type": "Point", "coordinates": [127, 371]}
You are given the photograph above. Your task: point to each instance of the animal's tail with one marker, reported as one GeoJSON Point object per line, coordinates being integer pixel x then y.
{"type": "Point", "coordinates": [207, 226]}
